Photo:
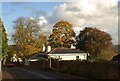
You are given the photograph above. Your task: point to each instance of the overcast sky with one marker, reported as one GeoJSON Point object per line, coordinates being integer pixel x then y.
{"type": "Point", "coordinates": [101, 14]}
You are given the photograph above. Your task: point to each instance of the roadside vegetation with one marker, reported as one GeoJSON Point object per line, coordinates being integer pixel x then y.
{"type": "Point", "coordinates": [3, 43]}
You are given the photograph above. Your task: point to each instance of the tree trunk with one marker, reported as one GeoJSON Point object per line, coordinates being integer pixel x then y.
{"type": "Point", "coordinates": [0, 66]}
{"type": "Point", "coordinates": [87, 56]}
{"type": "Point", "coordinates": [0, 71]}
{"type": "Point", "coordinates": [26, 62]}
{"type": "Point", "coordinates": [4, 61]}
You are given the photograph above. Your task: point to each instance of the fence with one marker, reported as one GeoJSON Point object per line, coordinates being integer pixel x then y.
{"type": "Point", "coordinates": [93, 70]}
{"type": "Point", "coordinates": [38, 64]}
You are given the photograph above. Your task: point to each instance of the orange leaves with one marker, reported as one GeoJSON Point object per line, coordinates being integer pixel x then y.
{"type": "Point", "coordinates": [61, 35]}
{"type": "Point", "coordinates": [28, 36]}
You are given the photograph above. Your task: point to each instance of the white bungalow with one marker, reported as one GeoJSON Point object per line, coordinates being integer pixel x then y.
{"type": "Point", "coordinates": [67, 53]}
{"type": "Point", "coordinates": [60, 53]}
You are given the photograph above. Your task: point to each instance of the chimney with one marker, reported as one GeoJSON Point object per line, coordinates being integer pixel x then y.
{"type": "Point", "coordinates": [48, 48]}
{"type": "Point", "coordinates": [43, 48]}
{"type": "Point", "coordinates": [73, 47]}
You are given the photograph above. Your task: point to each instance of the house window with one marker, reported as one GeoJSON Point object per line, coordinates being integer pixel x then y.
{"type": "Point", "coordinates": [77, 57]}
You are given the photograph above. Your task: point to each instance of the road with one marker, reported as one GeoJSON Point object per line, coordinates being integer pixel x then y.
{"type": "Point", "coordinates": [22, 73]}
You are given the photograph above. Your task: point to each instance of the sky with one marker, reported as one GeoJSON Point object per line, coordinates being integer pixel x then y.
{"type": "Point", "coordinates": [102, 14]}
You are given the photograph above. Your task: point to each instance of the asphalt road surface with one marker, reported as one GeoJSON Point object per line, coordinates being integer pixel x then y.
{"type": "Point", "coordinates": [27, 74]}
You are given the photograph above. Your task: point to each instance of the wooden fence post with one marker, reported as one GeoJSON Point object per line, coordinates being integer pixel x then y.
{"type": "Point", "coordinates": [57, 64]}
{"type": "Point", "coordinates": [49, 61]}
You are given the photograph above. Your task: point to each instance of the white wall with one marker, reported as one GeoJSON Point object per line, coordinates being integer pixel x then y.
{"type": "Point", "coordinates": [82, 56]}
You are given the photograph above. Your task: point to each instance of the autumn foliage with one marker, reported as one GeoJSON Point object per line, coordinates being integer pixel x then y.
{"type": "Point", "coordinates": [62, 34]}
{"type": "Point", "coordinates": [28, 37]}
{"type": "Point", "coordinates": [93, 41]}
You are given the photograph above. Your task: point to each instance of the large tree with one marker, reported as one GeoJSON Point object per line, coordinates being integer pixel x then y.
{"type": "Point", "coordinates": [62, 34]}
{"type": "Point", "coordinates": [3, 42]}
{"type": "Point", "coordinates": [28, 37]}
{"type": "Point", "coordinates": [93, 41]}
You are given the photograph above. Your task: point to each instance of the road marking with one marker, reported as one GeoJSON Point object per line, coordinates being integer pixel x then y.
{"type": "Point", "coordinates": [38, 74]}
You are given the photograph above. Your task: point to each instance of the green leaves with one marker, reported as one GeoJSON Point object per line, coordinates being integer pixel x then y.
{"type": "Point", "coordinates": [61, 35]}
{"type": "Point", "coordinates": [3, 41]}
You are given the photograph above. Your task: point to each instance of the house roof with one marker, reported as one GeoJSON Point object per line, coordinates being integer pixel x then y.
{"type": "Point", "coordinates": [65, 50]}
{"type": "Point", "coordinates": [116, 58]}
{"type": "Point", "coordinates": [37, 56]}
